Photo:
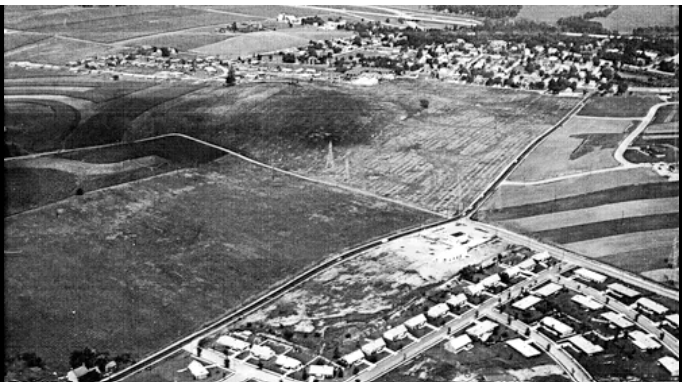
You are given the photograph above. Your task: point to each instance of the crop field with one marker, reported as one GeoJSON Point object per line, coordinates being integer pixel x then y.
{"type": "Point", "coordinates": [494, 360]}
{"type": "Point", "coordinates": [551, 13]}
{"type": "Point", "coordinates": [132, 268]}
{"type": "Point", "coordinates": [269, 11]}
{"type": "Point", "coordinates": [426, 157]}
{"type": "Point", "coordinates": [184, 41]}
{"type": "Point", "coordinates": [580, 145]}
{"type": "Point", "coordinates": [59, 51]}
{"type": "Point", "coordinates": [17, 40]}
{"type": "Point", "coordinates": [636, 106]}
{"type": "Point", "coordinates": [628, 17]}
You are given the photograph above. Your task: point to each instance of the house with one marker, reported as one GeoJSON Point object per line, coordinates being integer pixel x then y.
{"type": "Point", "coordinates": [673, 320]}
{"type": "Point", "coordinates": [438, 311]}
{"type": "Point", "coordinates": [644, 341]}
{"type": "Point", "coordinates": [474, 290]}
{"type": "Point", "coordinates": [617, 320]}
{"type": "Point", "coordinates": [587, 302]}
{"type": "Point", "coordinates": [556, 327]}
{"type": "Point", "coordinates": [396, 334]}
{"type": "Point", "coordinates": [621, 291]}
{"type": "Point", "coordinates": [512, 271]}
{"type": "Point", "coordinates": [321, 371]}
{"type": "Point", "coordinates": [482, 330]}
{"type": "Point", "coordinates": [548, 290]}
{"type": "Point", "coordinates": [198, 370]}
{"type": "Point", "coordinates": [457, 301]}
{"type": "Point", "coordinates": [75, 374]}
{"type": "Point", "coordinates": [491, 281]}
{"type": "Point", "coordinates": [527, 303]}
{"type": "Point", "coordinates": [374, 347]}
{"type": "Point", "coordinates": [542, 257]}
{"type": "Point", "coordinates": [288, 363]}
{"type": "Point", "coordinates": [262, 352]}
{"type": "Point", "coordinates": [527, 265]}
{"type": "Point", "coordinates": [590, 276]}
{"type": "Point", "coordinates": [649, 306]}
{"type": "Point", "coordinates": [460, 343]}
{"type": "Point", "coordinates": [353, 358]}
{"type": "Point", "coordinates": [232, 343]}
{"type": "Point", "coordinates": [584, 345]}
{"type": "Point", "coordinates": [416, 323]}
{"type": "Point", "coordinates": [526, 348]}
{"type": "Point", "coordinates": [672, 365]}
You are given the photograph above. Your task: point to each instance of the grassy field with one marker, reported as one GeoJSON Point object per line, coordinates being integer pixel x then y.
{"type": "Point", "coordinates": [613, 245]}
{"type": "Point", "coordinates": [551, 13]}
{"type": "Point", "coordinates": [37, 125]}
{"type": "Point", "coordinates": [580, 145]}
{"type": "Point", "coordinates": [59, 51]}
{"type": "Point", "coordinates": [132, 268]}
{"type": "Point", "coordinates": [183, 41]}
{"type": "Point", "coordinates": [269, 11]}
{"type": "Point", "coordinates": [17, 40]}
{"type": "Point", "coordinates": [628, 17]}
{"type": "Point", "coordinates": [619, 107]}
{"type": "Point", "coordinates": [397, 150]}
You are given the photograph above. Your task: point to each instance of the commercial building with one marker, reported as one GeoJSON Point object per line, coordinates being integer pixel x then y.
{"type": "Point", "coordinates": [587, 302]}
{"type": "Point", "coordinates": [556, 327]}
{"type": "Point", "coordinates": [621, 291]}
{"type": "Point", "coordinates": [649, 306]}
{"type": "Point", "coordinates": [591, 276]}
{"type": "Point", "coordinates": [525, 347]}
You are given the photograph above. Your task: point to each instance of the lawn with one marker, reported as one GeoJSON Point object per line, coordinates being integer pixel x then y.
{"type": "Point", "coordinates": [636, 106]}
{"type": "Point", "coordinates": [174, 369]}
{"type": "Point", "coordinates": [580, 145]}
{"type": "Point", "coordinates": [666, 114]}
{"type": "Point", "coordinates": [133, 268]}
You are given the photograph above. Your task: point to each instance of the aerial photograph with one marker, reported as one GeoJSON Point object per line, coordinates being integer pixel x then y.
{"type": "Point", "coordinates": [341, 193]}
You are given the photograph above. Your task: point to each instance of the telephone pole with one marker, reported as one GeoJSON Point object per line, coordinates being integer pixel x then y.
{"type": "Point", "coordinates": [330, 156]}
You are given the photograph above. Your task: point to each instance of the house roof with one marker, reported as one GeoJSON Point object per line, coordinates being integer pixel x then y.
{"type": "Point", "coordinates": [556, 325]}
{"type": "Point", "coordinates": [460, 342]}
{"type": "Point", "coordinates": [623, 290]}
{"type": "Point", "coordinates": [526, 348]}
{"type": "Point", "coordinates": [262, 352]}
{"type": "Point", "coordinates": [354, 357]}
{"type": "Point", "coordinates": [475, 289]}
{"type": "Point", "coordinates": [618, 320]}
{"type": "Point", "coordinates": [438, 310]}
{"type": "Point", "coordinates": [457, 300]}
{"type": "Point", "coordinates": [197, 369]}
{"type": "Point", "coordinates": [232, 343]}
{"type": "Point", "coordinates": [644, 341]}
{"type": "Point", "coordinates": [652, 306]}
{"type": "Point", "coordinates": [321, 370]}
{"type": "Point", "coordinates": [585, 345]}
{"type": "Point", "coordinates": [398, 331]}
{"type": "Point", "coordinates": [482, 328]}
{"type": "Point", "coordinates": [674, 319]}
{"type": "Point", "coordinates": [671, 364]}
{"type": "Point", "coordinates": [587, 302]}
{"type": "Point", "coordinates": [527, 264]}
{"type": "Point", "coordinates": [374, 346]}
{"type": "Point", "coordinates": [527, 302]}
{"type": "Point", "coordinates": [416, 321]}
{"type": "Point", "coordinates": [542, 256]}
{"type": "Point", "coordinates": [491, 280]}
{"type": "Point", "coordinates": [548, 290]}
{"type": "Point", "coordinates": [590, 275]}
{"type": "Point", "coordinates": [288, 362]}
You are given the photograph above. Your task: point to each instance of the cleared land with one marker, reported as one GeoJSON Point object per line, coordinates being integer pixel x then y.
{"type": "Point", "coordinates": [58, 51]}
{"type": "Point", "coordinates": [628, 17]}
{"type": "Point", "coordinates": [613, 245]}
{"type": "Point", "coordinates": [17, 40]}
{"type": "Point", "coordinates": [580, 145]}
{"type": "Point", "coordinates": [269, 11]}
{"type": "Point", "coordinates": [551, 13]}
{"type": "Point", "coordinates": [636, 106]}
{"type": "Point", "coordinates": [397, 149]}
{"type": "Point", "coordinates": [183, 41]}
{"type": "Point", "coordinates": [132, 268]}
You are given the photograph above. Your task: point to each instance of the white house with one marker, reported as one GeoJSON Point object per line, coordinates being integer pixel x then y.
{"type": "Point", "coordinates": [673, 320]}
{"type": "Point", "coordinates": [373, 347]}
{"type": "Point", "coordinates": [672, 365]}
{"type": "Point", "coordinates": [438, 311]}
{"type": "Point", "coordinates": [649, 306]}
{"type": "Point", "coordinates": [232, 343]}
{"type": "Point", "coordinates": [542, 257]}
{"type": "Point", "coordinates": [321, 371]}
{"type": "Point", "coordinates": [198, 370]}
{"type": "Point", "coordinates": [591, 276]}
{"type": "Point", "coordinates": [416, 322]}
{"type": "Point", "coordinates": [621, 291]}
{"type": "Point", "coordinates": [584, 345]}
{"type": "Point", "coordinates": [457, 301]}
{"type": "Point", "coordinates": [526, 348]}
{"type": "Point", "coordinates": [288, 363]}
{"type": "Point", "coordinates": [396, 334]}
{"type": "Point", "coordinates": [353, 358]}
{"type": "Point", "coordinates": [262, 352]}
{"type": "Point", "coordinates": [548, 290]}
{"type": "Point", "coordinates": [644, 341]}
{"type": "Point", "coordinates": [482, 330]}
{"type": "Point", "coordinates": [491, 281]}
{"type": "Point", "coordinates": [617, 320]}
{"type": "Point", "coordinates": [527, 303]}
{"type": "Point", "coordinates": [74, 374]}
{"type": "Point", "coordinates": [459, 343]}
{"type": "Point", "coordinates": [587, 302]}
{"type": "Point", "coordinates": [474, 290]}
{"type": "Point", "coordinates": [527, 265]}
{"type": "Point", "coordinates": [557, 327]}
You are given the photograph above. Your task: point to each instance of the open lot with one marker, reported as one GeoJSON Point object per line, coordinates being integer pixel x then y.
{"type": "Point", "coordinates": [580, 145]}
{"type": "Point", "coordinates": [628, 17]}
{"type": "Point", "coordinates": [635, 106]}
{"type": "Point", "coordinates": [132, 268]}
{"type": "Point", "coordinates": [432, 158]}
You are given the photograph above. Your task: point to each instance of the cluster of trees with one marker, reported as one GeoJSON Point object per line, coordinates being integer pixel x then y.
{"type": "Point", "coordinates": [602, 13]}
{"type": "Point", "coordinates": [578, 24]}
{"type": "Point", "coordinates": [488, 11]}
{"type": "Point", "coordinates": [657, 31]}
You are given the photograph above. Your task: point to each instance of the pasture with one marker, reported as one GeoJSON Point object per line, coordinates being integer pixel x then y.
{"type": "Point", "coordinates": [614, 245]}
{"type": "Point", "coordinates": [580, 145]}
{"type": "Point", "coordinates": [636, 106]}
{"type": "Point", "coordinates": [130, 269]}
{"type": "Point", "coordinates": [271, 11]}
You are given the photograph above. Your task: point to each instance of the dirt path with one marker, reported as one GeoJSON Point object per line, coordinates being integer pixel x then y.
{"type": "Point", "coordinates": [89, 169]}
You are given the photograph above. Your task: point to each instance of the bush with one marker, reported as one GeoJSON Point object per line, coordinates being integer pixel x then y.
{"type": "Point", "coordinates": [424, 103]}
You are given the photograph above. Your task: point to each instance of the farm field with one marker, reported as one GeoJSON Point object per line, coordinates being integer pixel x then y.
{"type": "Point", "coordinates": [59, 51]}
{"type": "Point", "coordinates": [580, 145]}
{"type": "Point", "coordinates": [183, 248]}
{"type": "Point", "coordinates": [628, 17]}
{"type": "Point", "coordinates": [184, 41]}
{"type": "Point", "coordinates": [551, 13]}
{"type": "Point", "coordinates": [396, 150]}
{"type": "Point", "coordinates": [17, 40]}
{"type": "Point", "coordinates": [270, 11]}
{"type": "Point", "coordinates": [614, 245]}
{"type": "Point", "coordinates": [38, 125]}
{"type": "Point", "coordinates": [636, 106]}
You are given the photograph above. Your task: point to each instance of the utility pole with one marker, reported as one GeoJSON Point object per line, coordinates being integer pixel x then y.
{"type": "Point", "coordinates": [330, 156]}
{"type": "Point", "coordinates": [347, 162]}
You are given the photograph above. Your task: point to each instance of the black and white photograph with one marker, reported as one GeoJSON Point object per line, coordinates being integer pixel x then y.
{"type": "Point", "coordinates": [341, 193]}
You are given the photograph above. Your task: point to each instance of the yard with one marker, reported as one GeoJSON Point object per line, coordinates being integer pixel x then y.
{"type": "Point", "coordinates": [130, 269]}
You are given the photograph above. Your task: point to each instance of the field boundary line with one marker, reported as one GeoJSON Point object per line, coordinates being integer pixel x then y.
{"type": "Point", "coordinates": [571, 176]}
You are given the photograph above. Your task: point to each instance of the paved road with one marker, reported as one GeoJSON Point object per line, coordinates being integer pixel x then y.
{"type": "Point", "coordinates": [672, 343]}
{"type": "Point", "coordinates": [435, 337]}
{"type": "Point", "coordinates": [580, 260]}
{"type": "Point", "coordinates": [620, 151]}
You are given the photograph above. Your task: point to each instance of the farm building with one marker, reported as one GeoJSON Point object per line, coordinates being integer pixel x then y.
{"type": "Point", "coordinates": [527, 302]}
{"type": "Point", "coordinates": [542, 257]}
{"type": "Point", "coordinates": [474, 290]}
{"type": "Point", "coordinates": [649, 306]}
{"type": "Point", "coordinates": [197, 370]}
{"type": "Point", "coordinates": [353, 358]}
{"type": "Point", "coordinates": [673, 320]}
{"type": "Point", "coordinates": [591, 276]}
{"type": "Point", "coordinates": [438, 311]}
{"type": "Point", "coordinates": [460, 343]}
{"type": "Point", "coordinates": [232, 343]}
{"type": "Point", "coordinates": [321, 371]}
{"type": "Point", "coordinates": [644, 341]}
{"type": "Point", "coordinates": [584, 345]}
{"type": "Point", "coordinates": [396, 334]}
{"type": "Point", "coordinates": [416, 322]}
{"type": "Point", "coordinates": [556, 327]}
{"type": "Point", "coordinates": [288, 363]}
{"type": "Point", "coordinates": [457, 301]}
{"type": "Point", "coordinates": [617, 320]}
{"type": "Point", "coordinates": [482, 330]}
{"type": "Point", "coordinates": [672, 365]}
{"type": "Point", "coordinates": [374, 347]}
{"type": "Point", "coordinates": [526, 348]}
{"type": "Point", "coordinates": [621, 291]}
{"type": "Point", "coordinates": [262, 352]}
{"type": "Point", "coordinates": [587, 302]}
{"type": "Point", "coordinates": [548, 290]}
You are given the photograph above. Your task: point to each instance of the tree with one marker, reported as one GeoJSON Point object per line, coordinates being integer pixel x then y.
{"type": "Point", "coordinates": [231, 79]}
{"type": "Point", "coordinates": [424, 103]}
